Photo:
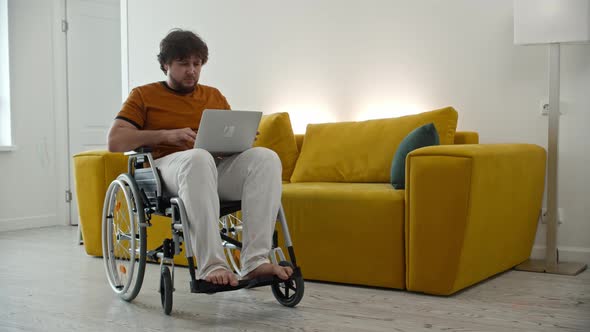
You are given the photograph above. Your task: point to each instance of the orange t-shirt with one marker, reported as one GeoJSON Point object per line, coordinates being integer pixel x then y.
{"type": "Point", "coordinates": [155, 106]}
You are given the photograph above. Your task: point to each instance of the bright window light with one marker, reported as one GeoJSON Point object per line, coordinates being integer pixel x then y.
{"type": "Point", "coordinates": [5, 128]}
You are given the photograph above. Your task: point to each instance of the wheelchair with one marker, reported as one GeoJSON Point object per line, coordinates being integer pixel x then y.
{"type": "Point", "coordinates": [131, 200]}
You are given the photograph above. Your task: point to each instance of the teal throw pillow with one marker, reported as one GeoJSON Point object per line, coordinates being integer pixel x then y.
{"type": "Point", "coordinates": [418, 138]}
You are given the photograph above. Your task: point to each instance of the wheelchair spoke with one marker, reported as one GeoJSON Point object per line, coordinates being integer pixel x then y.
{"type": "Point", "coordinates": [231, 226]}
{"type": "Point", "coordinates": [125, 222]}
{"type": "Point", "coordinates": [289, 285]}
{"type": "Point", "coordinates": [119, 210]}
{"type": "Point", "coordinates": [124, 237]}
{"type": "Point", "coordinates": [120, 245]}
{"type": "Point", "coordinates": [122, 248]}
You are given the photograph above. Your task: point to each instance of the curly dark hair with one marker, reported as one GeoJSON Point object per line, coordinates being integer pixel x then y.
{"type": "Point", "coordinates": [181, 44]}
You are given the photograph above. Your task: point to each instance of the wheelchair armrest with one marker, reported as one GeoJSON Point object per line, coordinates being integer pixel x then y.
{"type": "Point", "coordinates": [139, 150]}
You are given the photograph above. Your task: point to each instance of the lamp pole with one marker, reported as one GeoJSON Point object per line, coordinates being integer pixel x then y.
{"type": "Point", "coordinates": [551, 263]}
{"type": "Point", "coordinates": [552, 153]}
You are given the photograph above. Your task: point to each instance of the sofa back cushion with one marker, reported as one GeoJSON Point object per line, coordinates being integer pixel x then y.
{"type": "Point", "coordinates": [276, 134]}
{"type": "Point", "coordinates": [299, 140]}
{"type": "Point", "coordinates": [363, 151]}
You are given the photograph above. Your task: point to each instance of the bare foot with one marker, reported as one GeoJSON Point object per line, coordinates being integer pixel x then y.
{"type": "Point", "coordinates": [222, 277]}
{"type": "Point", "coordinates": [267, 269]}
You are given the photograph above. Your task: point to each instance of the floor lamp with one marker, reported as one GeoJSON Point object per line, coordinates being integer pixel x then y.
{"type": "Point", "coordinates": [552, 22]}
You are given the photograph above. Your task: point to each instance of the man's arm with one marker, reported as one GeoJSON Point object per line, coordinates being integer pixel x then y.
{"type": "Point", "coordinates": [123, 136]}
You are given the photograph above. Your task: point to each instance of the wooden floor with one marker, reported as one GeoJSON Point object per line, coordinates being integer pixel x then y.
{"type": "Point", "coordinates": [47, 283]}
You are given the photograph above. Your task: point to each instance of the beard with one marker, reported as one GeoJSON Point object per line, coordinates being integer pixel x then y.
{"type": "Point", "coordinates": [181, 86]}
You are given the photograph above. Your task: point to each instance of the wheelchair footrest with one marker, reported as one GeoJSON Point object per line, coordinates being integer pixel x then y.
{"type": "Point", "coordinates": [203, 286]}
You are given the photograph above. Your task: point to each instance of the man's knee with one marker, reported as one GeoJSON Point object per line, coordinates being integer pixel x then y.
{"type": "Point", "coordinates": [198, 160]}
{"type": "Point", "coordinates": [267, 157]}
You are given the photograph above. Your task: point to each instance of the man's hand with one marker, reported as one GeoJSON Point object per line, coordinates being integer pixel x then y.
{"type": "Point", "coordinates": [184, 137]}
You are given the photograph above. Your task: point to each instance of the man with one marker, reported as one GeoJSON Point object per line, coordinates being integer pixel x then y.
{"type": "Point", "coordinates": [165, 115]}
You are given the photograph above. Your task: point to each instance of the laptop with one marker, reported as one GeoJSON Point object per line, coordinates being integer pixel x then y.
{"type": "Point", "coordinates": [223, 132]}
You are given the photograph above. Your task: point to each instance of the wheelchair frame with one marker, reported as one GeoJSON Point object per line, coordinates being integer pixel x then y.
{"type": "Point", "coordinates": [142, 190]}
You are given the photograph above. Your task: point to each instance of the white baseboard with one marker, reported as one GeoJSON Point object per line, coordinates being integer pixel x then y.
{"type": "Point", "coordinates": [14, 224]}
{"type": "Point", "coordinates": [566, 254]}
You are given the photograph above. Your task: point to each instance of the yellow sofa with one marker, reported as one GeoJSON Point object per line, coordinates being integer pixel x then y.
{"type": "Point", "coordinates": [469, 210]}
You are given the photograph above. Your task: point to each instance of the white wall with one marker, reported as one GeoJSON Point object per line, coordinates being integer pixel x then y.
{"type": "Point", "coordinates": [337, 60]}
{"type": "Point", "coordinates": [29, 187]}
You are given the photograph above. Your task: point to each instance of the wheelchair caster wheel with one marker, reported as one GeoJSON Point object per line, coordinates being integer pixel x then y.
{"type": "Point", "coordinates": [289, 292]}
{"type": "Point", "coordinates": [166, 290]}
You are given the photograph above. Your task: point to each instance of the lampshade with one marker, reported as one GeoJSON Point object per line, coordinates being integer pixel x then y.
{"type": "Point", "coordinates": [551, 21]}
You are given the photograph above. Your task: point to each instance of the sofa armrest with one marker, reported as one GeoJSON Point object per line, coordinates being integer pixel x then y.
{"type": "Point", "coordinates": [471, 212]}
{"type": "Point", "coordinates": [466, 137]}
{"type": "Point", "coordinates": [93, 172]}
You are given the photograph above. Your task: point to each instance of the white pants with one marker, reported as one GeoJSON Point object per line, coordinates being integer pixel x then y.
{"type": "Point", "coordinates": [253, 176]}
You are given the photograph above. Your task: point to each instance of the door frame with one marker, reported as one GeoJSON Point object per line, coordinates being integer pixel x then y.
{"type": "Point", "coordinates": [61, 109]}
{"type": "Point", "coordinates": [124, 50]}
{"type": "Point", "coordinates": [61, 104]}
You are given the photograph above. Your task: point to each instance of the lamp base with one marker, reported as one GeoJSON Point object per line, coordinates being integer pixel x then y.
{"type": "Point", "coordinates": [563, 268]}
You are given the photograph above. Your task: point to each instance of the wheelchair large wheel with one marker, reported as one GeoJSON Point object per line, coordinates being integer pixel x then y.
{"type": "Point", "coordinates": [124, 237]}
{"type": "Point", "coordinates": [233, 229]}
{"type": "Point", "coordinates": [289, 293]}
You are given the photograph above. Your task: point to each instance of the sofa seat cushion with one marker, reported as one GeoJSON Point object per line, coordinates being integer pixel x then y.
{"type": "Point", "coordinates": [362, 151]}
{"type": "Point", "coordinates": [347, 232]}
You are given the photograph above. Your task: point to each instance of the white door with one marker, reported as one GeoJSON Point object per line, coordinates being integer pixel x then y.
{"type": "Point", "coordinates": [94, 76]}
